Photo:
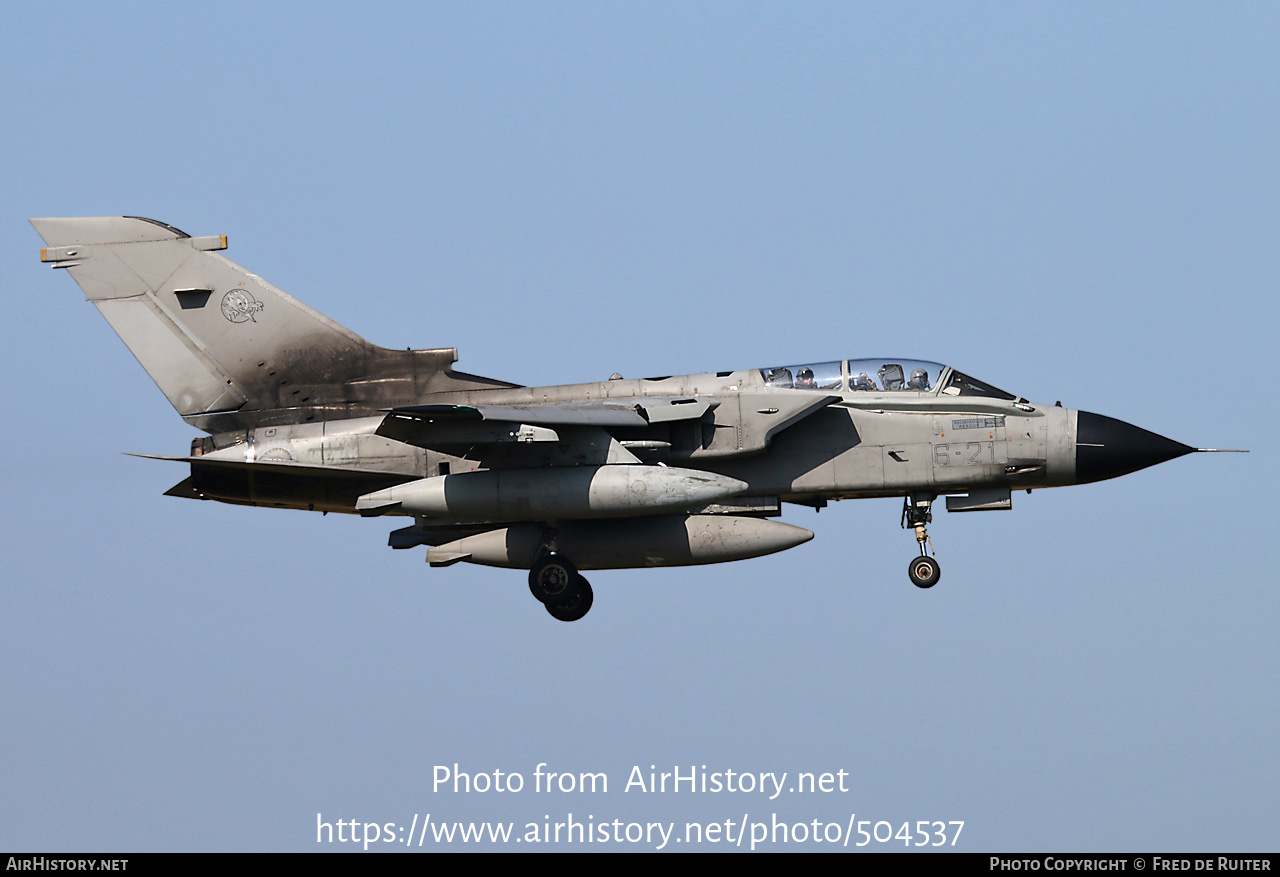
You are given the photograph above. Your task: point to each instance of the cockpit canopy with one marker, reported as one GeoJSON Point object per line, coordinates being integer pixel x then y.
{"type": "Point", "coordinates": [881, 376]}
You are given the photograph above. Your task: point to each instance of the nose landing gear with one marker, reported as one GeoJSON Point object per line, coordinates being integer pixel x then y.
{"type": "Point", "coordinates": [917, 514]}
{"type": "Point", "coordinates": [924, 572]}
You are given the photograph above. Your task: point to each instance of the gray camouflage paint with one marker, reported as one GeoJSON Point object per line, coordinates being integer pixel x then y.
{"type": "Point", "coordinates": [299, 412]}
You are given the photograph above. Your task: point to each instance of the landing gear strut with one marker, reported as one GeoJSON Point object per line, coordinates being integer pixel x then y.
{"type": "Point", "coordinates": [556, 584]}
{"type": "Point", "coordinates": [917, 514]}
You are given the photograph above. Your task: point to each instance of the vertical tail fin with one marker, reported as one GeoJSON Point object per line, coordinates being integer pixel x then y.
{"type": "Point", "coordinates": [228, 349]}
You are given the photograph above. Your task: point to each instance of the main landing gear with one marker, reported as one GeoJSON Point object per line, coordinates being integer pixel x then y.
{"type": "Point", "coordinates": [557, 585]}
{"type": "Point", "coordinates": [917, 513]}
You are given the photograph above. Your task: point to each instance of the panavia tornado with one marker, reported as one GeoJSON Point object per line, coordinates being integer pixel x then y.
{"type": "Point", "coordinates": [301, 413]}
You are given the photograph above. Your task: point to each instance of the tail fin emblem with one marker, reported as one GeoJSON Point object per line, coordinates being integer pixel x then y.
{"type": "Point", "coordinates": [238, 306]}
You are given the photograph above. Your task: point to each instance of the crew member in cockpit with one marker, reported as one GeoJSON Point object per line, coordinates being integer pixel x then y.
{"type": "Point", "coordinates": [805, 379]}
{"type": "Point", "coordinates": [862, 382]}
{"type": "Point", "coordinates": [778, 377]}
{"type": "Point", "coordinates": [919, 380]}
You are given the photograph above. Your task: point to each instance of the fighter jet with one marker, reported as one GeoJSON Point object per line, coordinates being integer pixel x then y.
{"type": "Point", "coordinates": [301, 413]}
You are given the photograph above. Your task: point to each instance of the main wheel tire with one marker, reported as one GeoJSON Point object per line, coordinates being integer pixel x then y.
{"type": "Point", "coordinates": [553, 579]}
{"type": "Point", "coordinates": [576, 606]}
{"type": "Point", "coordinates": [924, 572]}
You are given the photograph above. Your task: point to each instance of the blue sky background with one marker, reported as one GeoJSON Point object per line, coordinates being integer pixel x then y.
{"type": "Point", "coordinates": [1075, 202]}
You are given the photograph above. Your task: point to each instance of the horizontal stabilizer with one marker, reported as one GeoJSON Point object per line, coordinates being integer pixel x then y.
{"type": "Point", "coordinates": [301, 470]}
{"type": "Point", "coordinates": [278, 484]}
{"type": "Point", "coordinates": [184, 489]}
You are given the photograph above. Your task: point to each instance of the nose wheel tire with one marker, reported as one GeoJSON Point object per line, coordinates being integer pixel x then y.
{"type": "Point", "coordinates": [553, 579]}
{"type": "Point", "coordinates": [576, 605]}
{"type": "Point", "coordinates": [924, 572]}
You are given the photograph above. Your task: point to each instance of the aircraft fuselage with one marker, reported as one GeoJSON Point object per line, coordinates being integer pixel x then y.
{"type": "Point", "coordinates": [302, 413]}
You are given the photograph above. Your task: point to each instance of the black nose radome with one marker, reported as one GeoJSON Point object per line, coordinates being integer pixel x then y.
{"type": "Point", "coordinates": [1106, 448]}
